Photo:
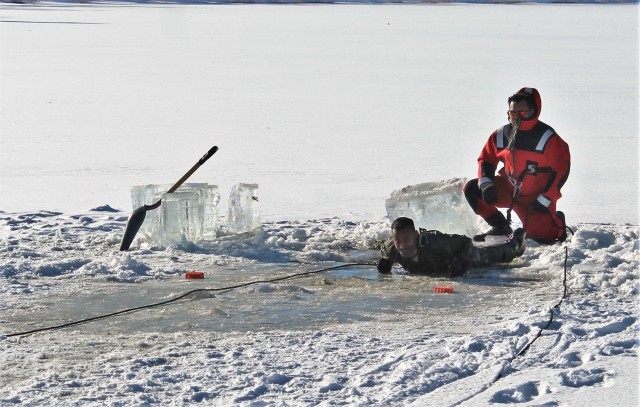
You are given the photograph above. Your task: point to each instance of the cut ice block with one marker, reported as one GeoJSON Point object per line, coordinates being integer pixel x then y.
{"type": "Point", "coordinates": [210, 209]}
{"type": "Point", "coordinates": [164, 230]}
{"type": "Point", "coordinates": [210, 198]}
{"type": "Point", "coordinates": [438, 205]}
{"type": "Point", "coordinates": [181, 218]}
{"type": "Point", "coordinates": [243, 212]}
{"type": "Point", "coordinates": [147, 195]}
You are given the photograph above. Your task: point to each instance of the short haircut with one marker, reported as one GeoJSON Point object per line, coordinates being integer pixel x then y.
{"type": "Point", "coordinates": [403, 223]}
{"type": "Point", "coordinates": [520, 96]}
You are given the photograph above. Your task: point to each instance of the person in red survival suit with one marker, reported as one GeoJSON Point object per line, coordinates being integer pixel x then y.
{"type": "Point", "coordinates": [536, 166]}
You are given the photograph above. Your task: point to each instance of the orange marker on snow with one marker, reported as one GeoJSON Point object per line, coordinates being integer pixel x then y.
{"type": "Point", "coordinates": [194, 275]}
{"type": "Point", "coordinates": [443, 289]}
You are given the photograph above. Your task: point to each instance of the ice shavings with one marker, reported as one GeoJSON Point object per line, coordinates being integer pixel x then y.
{"type": "Point", "coordinates": [127, 269]}
{"type": "Point", "coordinates": [59, 268]}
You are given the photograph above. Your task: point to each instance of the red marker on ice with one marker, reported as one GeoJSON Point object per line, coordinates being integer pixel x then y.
{"type": "Point", "coordinates": [194, 275]}
{"type": "Point", "coordinates": [443, 289]}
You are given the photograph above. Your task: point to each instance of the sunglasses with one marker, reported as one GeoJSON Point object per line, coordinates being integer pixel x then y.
{"type": "Point", "coordinates": [519, 113]}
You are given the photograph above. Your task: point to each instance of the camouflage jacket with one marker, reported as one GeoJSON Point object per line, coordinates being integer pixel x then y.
{"type": "Point", "coordinates": [439, 254]}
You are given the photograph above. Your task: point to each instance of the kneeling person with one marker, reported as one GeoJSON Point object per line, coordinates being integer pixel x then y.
{"type": "Point", "coordinates": [442, 255]}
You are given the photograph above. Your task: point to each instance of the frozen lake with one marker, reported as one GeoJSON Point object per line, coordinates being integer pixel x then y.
{"type": "Point", "coordinates": [327, 107]}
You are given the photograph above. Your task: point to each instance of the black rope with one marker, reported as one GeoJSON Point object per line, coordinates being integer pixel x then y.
{"type": "Point", "coordinates": [501, 374]}
{"type": "Point", "coordinates": [557, 306]}
{"type": "Point", "coordinates": [551, 311]}
{"type": "Point", "coordinates": [233, 287]}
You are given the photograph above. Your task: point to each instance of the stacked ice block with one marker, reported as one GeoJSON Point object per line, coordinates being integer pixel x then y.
{"type": "Point", "coordinates": [181, 218]}
{"type": "Point", "coordinates": [190, 214]}
{"type": "Point", "coordinates": [147, 195]}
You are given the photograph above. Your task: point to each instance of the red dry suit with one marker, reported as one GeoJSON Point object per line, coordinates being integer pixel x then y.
{"type": "Point", "coordinates": [537, 162]}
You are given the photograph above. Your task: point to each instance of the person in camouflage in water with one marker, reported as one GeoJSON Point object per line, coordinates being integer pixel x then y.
{"type": "Point", "coordinates": [429, 252]}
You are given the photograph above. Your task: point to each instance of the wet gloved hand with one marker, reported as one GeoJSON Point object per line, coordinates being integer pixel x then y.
{"type": "Point", "coordinates": [459, 267]}
{"type": "Point", "coordinates": [384, 266]}
{"type": "Point", "coordinates": [489, 193]}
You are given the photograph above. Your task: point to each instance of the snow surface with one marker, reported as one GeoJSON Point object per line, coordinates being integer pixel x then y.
{"type": "Point", "coordinates": [321, 106]}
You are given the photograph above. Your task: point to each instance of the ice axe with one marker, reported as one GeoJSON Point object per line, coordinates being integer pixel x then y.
{"type": "Point", "coordinates": [137, 217]}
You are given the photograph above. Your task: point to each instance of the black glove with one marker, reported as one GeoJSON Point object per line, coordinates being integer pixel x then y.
{"type": "Point", "coordinates": [384, 266]}
{"type": "Point", "coordinates": [459, 267]}
{"type": "Point", "coordinates": [489, 193]}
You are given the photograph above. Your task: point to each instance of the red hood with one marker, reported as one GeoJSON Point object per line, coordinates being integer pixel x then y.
{"type": "Point", "coordinates": [528, 124]}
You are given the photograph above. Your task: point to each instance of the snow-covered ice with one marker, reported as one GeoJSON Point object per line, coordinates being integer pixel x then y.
{"type": "Point", "coordinates": [341, 337]}
{"type": "Point", "coordinates": [329, 109]}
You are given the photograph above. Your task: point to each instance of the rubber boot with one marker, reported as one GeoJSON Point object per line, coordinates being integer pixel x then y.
{"type": "Point", "coordinates": [518, 242]}
{"type": "Point", "coordinates": [499, 227]}
{"type": "Point", "coordinates": [502, 253]}
{"type": "Point", "coordinates": [562, 237]}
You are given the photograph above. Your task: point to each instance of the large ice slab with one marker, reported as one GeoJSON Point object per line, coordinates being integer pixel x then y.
{"type": "Point", "coordinates": [438, 205]}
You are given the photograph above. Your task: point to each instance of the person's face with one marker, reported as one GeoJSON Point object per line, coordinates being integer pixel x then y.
{"type": "Point", "coordinates": [519, 111]}
{"type": "Point", "coordinates": [406, 242]}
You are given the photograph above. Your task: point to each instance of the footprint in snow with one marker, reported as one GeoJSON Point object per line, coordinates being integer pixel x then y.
{"type": "Point", "coordinates": [524, 393]}
{"type": "Point", "coordinates": [568, 360]}
{"type": "Point", "coordinates": [583, 377]}
{"type": "Point", "coordinates": [618, 347]}
{"type": "Point", "coordinates": [614, 327]}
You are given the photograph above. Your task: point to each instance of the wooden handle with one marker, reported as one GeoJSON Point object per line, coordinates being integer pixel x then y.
{"type": "Point", "coordinates": [193, 169]}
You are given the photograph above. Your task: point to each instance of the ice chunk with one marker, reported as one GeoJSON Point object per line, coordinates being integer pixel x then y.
{"type": "Point", "coordinates": [438, 205]}
{"type": "Point", "coordinates": [181, 218]}
{"type": "Point", "coordinates": [170, 225]}
{"type": "Point", "coordinates": [147, 195]}
{"type": "Point", "coordinates": [243, 212]}
{"type": "Point", "coordinates": [210, 215]}
{"type": "Point", "coordinates": [209, 196]}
